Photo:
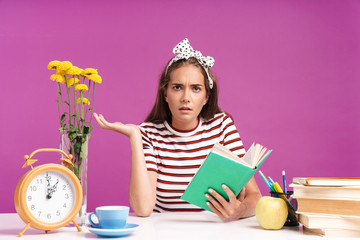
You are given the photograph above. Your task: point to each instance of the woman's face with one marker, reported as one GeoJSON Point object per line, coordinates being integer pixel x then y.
{"type": "Point", "coordinates": [186, 96]}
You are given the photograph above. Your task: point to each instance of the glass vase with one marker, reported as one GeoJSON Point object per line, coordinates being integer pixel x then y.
{"type": "Point", "coordinates": [77, 145]}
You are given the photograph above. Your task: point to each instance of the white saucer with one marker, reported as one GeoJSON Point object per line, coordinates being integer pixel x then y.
{"type": "Point", "coordinates": [104, 232]}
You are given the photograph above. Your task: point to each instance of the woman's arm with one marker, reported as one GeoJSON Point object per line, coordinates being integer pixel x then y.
{"type": "Point", "coordinates": [242, 206]}
{"type": "Point", "coordinates": [142, 189]}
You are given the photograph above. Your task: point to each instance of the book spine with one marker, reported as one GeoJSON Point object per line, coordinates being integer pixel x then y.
{"type": "Point", "coordinates": [329, 206]}
{"type": "Point", "coordinates": [325, 192]}
{"type": "Point", "coordinates": [329, 221]}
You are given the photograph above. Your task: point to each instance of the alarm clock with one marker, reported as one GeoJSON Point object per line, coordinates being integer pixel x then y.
{"type": "Point", "coordinates": [48, 196]}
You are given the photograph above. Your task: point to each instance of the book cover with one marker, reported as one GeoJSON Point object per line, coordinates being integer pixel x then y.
{"type": "Point", "coordinates": [313, 220]}
{"type": "Point", "coordinates": [329, 206]}
{"type": "Point", "coordinates": [327, 181]}
{"type": "Point", "coordinates": [220, 167]}
{"type": "Point", "coordinates": [346, 192]}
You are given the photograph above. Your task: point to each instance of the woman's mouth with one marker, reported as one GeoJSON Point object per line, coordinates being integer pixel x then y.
{"type": "Point", "coordinates": [185, 109]}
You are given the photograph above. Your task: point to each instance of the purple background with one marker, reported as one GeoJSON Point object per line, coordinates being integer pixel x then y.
{"type": "Point", "coordinates": [288, 73]}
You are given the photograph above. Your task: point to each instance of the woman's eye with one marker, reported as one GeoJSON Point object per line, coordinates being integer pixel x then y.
{"type": "Point", "coordinates": [196, 89]}
{"type": "Point", "coordinates": [177, 87]}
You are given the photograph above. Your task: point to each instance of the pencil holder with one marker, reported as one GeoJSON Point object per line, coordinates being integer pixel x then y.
{"type": "Point", "coordinates": [289, 221]}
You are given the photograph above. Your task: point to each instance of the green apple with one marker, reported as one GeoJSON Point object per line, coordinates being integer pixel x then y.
{"type": "Point", "coordinates": [271, 212]}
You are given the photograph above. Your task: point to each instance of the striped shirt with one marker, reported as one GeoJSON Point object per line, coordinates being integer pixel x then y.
{"type": "Point", "coordinates": [176, 155]}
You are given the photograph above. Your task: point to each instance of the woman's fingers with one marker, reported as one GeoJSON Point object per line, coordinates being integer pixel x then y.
{"type": "Point", "coordinates": [116, 126]}
{"type": "Point", "coordinates": [220, 203]}
{"type": "Point", "coordinates": [230, 193]}
{"type": "Point", "coordinates": [216, 207]}
{"type": "Point", "coordinates": [217, 212]}
{"type": "Point", "coordinates": [97, 118]}
{"type": "Point", "coordinates": [101, 121]}
{"type": "Point", "coordinates": [126, 129]}
{"type": "Point", "coordinates": [223, 208]}
{"type": "Point", "coordinates": [218, 197]}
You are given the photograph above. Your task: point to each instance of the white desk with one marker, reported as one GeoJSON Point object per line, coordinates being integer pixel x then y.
{"type": "Point", "coordinates": [167, 226]}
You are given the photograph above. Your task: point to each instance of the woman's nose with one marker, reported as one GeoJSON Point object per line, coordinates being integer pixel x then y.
{"type": "Point", "coordinates": [186, 96]}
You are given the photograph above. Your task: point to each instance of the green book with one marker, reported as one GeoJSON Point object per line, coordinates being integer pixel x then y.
{"type": "Point", "coordinates": [221, 166]}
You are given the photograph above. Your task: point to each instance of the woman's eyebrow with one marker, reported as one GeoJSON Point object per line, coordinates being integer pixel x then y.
{"type": "Point", "coordinates": [193, 85]}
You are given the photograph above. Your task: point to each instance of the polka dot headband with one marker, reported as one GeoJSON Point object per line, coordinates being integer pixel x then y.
{"type": "Point", "coordinates": [185, 51]}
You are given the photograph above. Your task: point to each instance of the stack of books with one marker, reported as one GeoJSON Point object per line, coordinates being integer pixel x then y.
{"type": "Point", "coordinates": [328, 206]}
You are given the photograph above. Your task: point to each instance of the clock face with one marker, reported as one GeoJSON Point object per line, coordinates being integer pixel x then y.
{"type": "Point", "coordinates": [51, 196]}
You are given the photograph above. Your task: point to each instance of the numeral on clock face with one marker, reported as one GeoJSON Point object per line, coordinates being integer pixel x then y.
{"type": "Point", "coordinates": [51, 196]}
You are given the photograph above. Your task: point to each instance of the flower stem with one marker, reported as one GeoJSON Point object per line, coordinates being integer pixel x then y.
{"type": "Point", "coordinates": [67, 89]}
{"type": "Point", "coordinates": [81, 111]}
{"type": "Point", "coordinates": [92, 105]}
{"type": "Point", "coordinates": [58, 104]}
{"type": "Point", "coordinates": [64, 139]}
{"type": "Point", "coordinates": [75, 107]}
{"type": "Point", "coordinates": [62, 100]}
{"type": "Point", "coordinates": [88, 99]}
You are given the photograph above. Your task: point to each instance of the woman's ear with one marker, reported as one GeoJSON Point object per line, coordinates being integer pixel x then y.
{"type": "Point", "coordinates": [206, 100]}
{"type": "Point", "coordinates": [165, 96]}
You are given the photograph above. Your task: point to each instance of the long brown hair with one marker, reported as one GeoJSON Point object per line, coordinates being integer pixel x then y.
{"type": "Point", "coordinates": [161, 110]}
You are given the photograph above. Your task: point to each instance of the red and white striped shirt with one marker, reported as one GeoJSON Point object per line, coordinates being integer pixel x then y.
{"type": "Point", "coordinates": [177, 155]}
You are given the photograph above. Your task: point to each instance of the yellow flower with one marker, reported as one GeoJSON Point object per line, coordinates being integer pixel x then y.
{"type": "Point", "coordinates": [94, 77]}
{"type": "Point", "coordinates": [53, 64]}
{"type": "Point", "coordinates": [65, 65]}
{"type": "Point", "coordinates": [72, 80]}
{"type": "Point", "coordinates": [85, 101]}
{"type": "Point", "coordinates": [88, 71]}
{"type": "Point", "coordinates": [81, 87]}
{"type": "Point", "coordinates": [61, 72]}
{"type": "Point", "coordinates": [57, 77]}
{"type": "Point", "coordinates": [74, 71]}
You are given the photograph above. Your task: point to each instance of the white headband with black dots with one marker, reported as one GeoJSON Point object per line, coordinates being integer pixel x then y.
{"type": "Point", "coordinates": [185, 51]}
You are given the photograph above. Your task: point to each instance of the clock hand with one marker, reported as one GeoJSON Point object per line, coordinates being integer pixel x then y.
{"type": "Point", "coordinates": [48, 196]}
{"type": "Point", "coordinates": [52, 190]}
{"type": "Point", "coordinates": [55, 186]}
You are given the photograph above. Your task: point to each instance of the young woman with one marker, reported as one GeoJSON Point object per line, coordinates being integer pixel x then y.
{"type": "Point", "coordinates": [170, 146]}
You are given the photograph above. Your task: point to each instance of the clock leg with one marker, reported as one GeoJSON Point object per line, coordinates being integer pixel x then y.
{"type": "Point", "coordinates": [25, 228]}
{"type": "Point", "coordinates": [76, 225]}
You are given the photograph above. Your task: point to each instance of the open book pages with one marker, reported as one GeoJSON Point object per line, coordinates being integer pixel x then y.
{"type": "Point", "coordinates": [252, 157]}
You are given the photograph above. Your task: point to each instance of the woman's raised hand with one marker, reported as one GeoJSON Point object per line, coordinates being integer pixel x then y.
{"type": "Point", "coordinates": [126, 129]}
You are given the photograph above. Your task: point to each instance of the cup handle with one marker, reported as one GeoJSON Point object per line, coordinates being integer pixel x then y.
{"type": "Point", "coordinates": [91, 222]}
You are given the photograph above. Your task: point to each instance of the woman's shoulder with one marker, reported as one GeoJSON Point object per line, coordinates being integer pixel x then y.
{"type": "Point", "coordinates": [218, 117]}
{"type": "Point", "coordinates": [152, 126]}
